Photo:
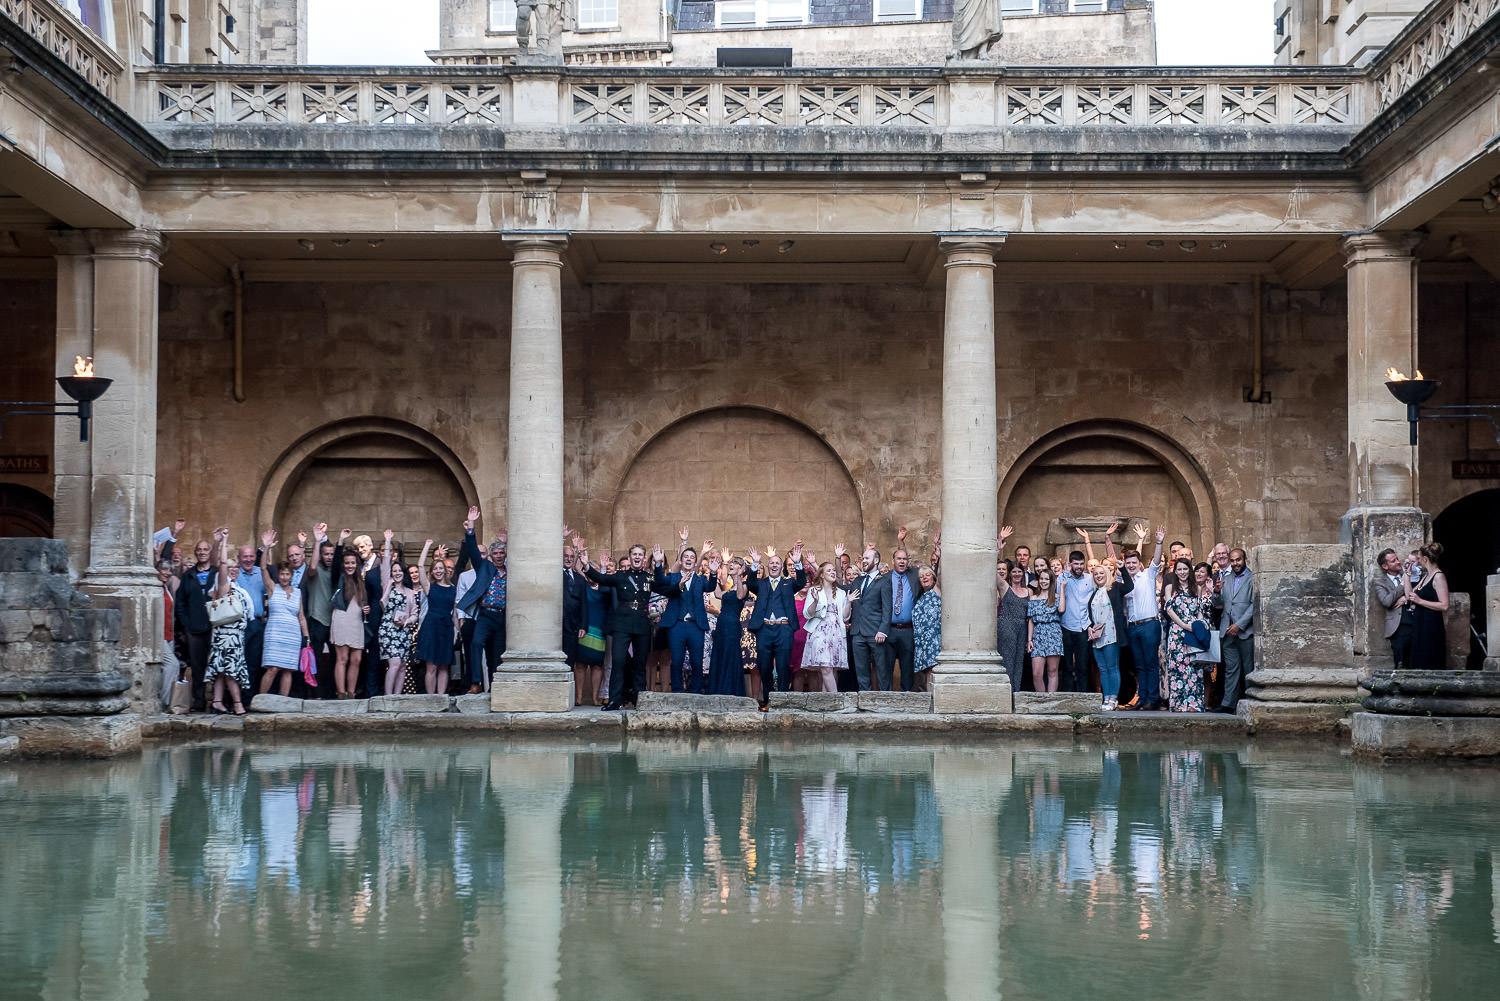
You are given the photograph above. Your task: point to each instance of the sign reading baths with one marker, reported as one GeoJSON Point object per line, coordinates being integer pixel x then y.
{"type": "Point", "coordinates": [25, 464]}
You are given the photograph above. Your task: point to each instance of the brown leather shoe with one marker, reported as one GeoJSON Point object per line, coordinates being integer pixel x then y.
{"type": "Point", "coordinates": [474, 689]}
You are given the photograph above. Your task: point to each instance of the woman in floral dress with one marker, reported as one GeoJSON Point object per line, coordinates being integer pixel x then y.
{"type": "Point", "coordinates": [1044, 632]}
{"type": "Point", "coordinates": [398, 624]}
{"type": "Point", "coordinates": [827, 609]}
{"type": "Point", "coordinates": [1184, 678]}
{"type": "Point", "coordinates": [926, 627]}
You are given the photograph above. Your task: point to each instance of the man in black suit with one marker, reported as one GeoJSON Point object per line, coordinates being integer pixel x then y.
{"type": "Point", "coordinates": [865, 621]}
{"type": "Point", "coordinates": [774, 618]}
{"type": "Point", "coordinates": [629, 626]}
{"type": "Point", "coordinates": [485, 602]}
{"type": "Point", "coordinates": [898, 592]}
{"type": "Point", "coordinates": [572, 606]}
{"type": "Point", "coordinates": [190, 612]}
{"type": "Point", "coordinates": [685, 619]}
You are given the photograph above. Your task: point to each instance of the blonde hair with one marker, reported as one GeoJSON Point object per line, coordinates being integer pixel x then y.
{"type": "Point", "coordinates": [363, 540]}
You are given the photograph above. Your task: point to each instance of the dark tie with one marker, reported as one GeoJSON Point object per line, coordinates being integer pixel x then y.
{"type": "Point", "coordinates": [900, 592]}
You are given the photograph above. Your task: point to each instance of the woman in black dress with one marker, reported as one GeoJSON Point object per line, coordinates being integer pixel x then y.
{"type": "Point", "coordinates": [726, 674]}
{"type": "Point", "coordinates": [1429, 640]}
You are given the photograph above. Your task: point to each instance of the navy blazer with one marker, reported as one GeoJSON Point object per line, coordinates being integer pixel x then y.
{"type": "Point", "coordinates": [780, 602]}
{"type": "Point", "coordinates": [682, 601]}
{"type": "Point", "coordinates": [484, 574]}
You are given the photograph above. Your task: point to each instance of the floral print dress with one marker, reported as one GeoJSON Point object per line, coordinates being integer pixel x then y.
{"type": "Point", "coordinates": [1184, 678]}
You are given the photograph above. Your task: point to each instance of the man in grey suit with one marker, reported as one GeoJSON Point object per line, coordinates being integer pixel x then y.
{"type": "Point", "coordinates": [865, 622]}
{"type": "Point", "coordinates": [1238, 642]}
{"type": "Point", "coordinates": [898, 591]}
{"type": "Point", "coordinates": [1399, 615]}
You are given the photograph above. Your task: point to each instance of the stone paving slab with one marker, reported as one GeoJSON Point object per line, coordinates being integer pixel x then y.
{"type": "Point", "coordinates": [671, 702]}
{"type": "Point", "coordinates": [894, 702]}
{"type": "Point", "coordinates": [410, 704]}
{"type": "Point", "coordinates": [1055, 703]}
{"type": "Point", "coordinates": [340, 707]}
{"type": "Point", "coordinates": [816, 702]}
{"type": "Point", "coordinates": [472, 704]}
{"type": "Point", "coordinates": [1378, 735]}
{"type": "Point", "coordinates": [275, 704]}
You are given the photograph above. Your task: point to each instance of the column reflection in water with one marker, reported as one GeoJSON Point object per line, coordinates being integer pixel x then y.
{"type": "Point", "coordinates": [533, 787]}
{"type": "Point", "coordinates": [970, 787]}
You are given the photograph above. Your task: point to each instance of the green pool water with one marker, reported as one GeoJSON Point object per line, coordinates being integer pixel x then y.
{"type": "Point", "coordinates": [718, 870]}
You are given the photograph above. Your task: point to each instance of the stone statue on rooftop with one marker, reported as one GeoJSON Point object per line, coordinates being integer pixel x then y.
{"type": "Point", "coordinates": [977, 25]}
{"type": "Point", "coordinates": [539, 27]}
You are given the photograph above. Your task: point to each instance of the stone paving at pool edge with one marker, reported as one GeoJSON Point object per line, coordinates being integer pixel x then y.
{"type": "Point", "coordinates": [870, 712]}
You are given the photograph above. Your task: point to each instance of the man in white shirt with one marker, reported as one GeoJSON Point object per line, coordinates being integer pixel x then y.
{"type": "Point", "coordinates": [465, 622]}
{"type": "Point", "coordinates": [1143, 624]}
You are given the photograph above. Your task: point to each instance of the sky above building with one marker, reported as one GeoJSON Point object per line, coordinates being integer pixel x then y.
{"type": "Point", "coordinates": [398, 32]}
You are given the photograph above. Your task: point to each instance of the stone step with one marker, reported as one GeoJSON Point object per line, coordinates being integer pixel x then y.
{"type": "Point", "coordinates": [9, 746]}
{"type": "Point", "coordinates": [672, 702]}
{"type": "Point", "coordinates": [1058, 703]}
{"type": "Point", "coordinates": [816, 702]}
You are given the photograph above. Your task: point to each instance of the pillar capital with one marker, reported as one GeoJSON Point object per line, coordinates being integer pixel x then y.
{"type": "Point", "coordinates": [536, 247]}
{"type": "Point", "coordinates": [1361, 248]}
{"type": "Point", "coordinates": [71, 242]}
{"type": "Point", "coordinates": [129, 244]}
{"type": "Point", "coordinates": [965, 249]}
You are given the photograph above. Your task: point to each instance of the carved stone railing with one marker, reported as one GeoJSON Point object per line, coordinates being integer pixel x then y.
{"type": "Point", "coordinates": [69, 40]}
{"type": "Point", "coordinates": [843, 98]}
{"type": "Point", "coordinates": [1424, 43]}
{"type": "Point", "coordinates": [263, 95]}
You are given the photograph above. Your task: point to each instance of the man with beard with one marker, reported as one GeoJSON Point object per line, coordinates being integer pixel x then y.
{"type": "Point", "coordinates": [865, 621]}
{"type": "Point", "coordinates": [685, 618]}
{"type": "Point", "coordinates": [774, 618]}
{"type": "Point", "coordinates": [317, 600]}
{"type": "Point", "coordinates": [629, 626]}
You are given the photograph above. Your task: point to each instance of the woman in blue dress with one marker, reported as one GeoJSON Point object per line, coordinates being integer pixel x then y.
{"type": "Point", "coordinates": [726, 669]}
{"type": "Point", "coordinates": [1044, 634]}
{"type": "Point", "coordinates": [435, 635]}
{"type": "Point", "coordinates": [286, 626]}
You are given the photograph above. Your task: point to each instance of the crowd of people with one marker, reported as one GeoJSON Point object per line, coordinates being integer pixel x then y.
{"type": "Point", "coordinates": [342, 619]}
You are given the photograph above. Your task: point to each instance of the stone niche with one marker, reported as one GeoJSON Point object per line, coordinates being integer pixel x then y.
{"type": "Point", "coordinates": [61, 687]}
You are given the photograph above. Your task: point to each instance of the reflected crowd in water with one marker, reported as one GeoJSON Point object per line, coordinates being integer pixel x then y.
{"type": "Point", "coordinates": [672, 868]}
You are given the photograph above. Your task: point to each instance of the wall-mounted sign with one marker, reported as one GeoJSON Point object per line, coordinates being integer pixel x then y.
{"type": "Point", "coordinates": [25, 464]}
{"type": "Point", "coordinates": [1476, 469]}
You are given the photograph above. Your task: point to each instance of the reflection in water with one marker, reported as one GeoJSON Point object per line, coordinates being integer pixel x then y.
{"type": "Point", "coordinates": [677, 869]}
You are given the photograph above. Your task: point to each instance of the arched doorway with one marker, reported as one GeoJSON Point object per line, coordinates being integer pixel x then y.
{"type": "Point", "coordinates": [368, 475]}
{"type": "Point", "coordinates": [24, 513]}
{"type": "Point", "coordinates": [1469, 531]}
{"type": "Point", "coordinates": [739, 476]}
{"type": "Point", "coordinates": [1103, 469]}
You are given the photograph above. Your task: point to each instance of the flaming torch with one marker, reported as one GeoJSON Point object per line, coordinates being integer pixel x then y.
{"type": "Point", "coordinates": [83, 387]}
{"type": "Point", "coordinates": [1413, 392]}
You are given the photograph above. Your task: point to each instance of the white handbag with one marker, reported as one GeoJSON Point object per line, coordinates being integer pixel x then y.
{"type": "Point", "coordinates": [225, 611]}
{"type": "Point", "coordinates": [1213, 654]}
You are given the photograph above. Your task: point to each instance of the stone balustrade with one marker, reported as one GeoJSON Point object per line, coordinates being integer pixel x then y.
{"type": "Point", "coordinates": [1149, 98]}
{"type": "Point", "coordinates": [1429, 39]}
{"type": "Point", "coordinates": [68, 39]}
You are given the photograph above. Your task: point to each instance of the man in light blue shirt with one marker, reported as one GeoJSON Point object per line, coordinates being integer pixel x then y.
{"type": "Point", "coordinates": [1078, 588]}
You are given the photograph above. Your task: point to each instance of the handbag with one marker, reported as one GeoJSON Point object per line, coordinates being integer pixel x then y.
{"type": "Point", "coordinates": [181, 697]}
{"type": "Point", "coordinates": [225, 611]}
{"type": "Point", "coordinates": [308, 665]}
{"type": "Point", "coordinates": [1211, 654]}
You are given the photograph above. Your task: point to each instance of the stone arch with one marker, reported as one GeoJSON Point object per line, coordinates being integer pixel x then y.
{"type": "Point", "coordinates": [1139, 454]}
{"type": "Point", "coordinates": [1470, 537]}
{"type": "Point", "coordinates": [24, 512]}
{"type": "Point", "coordinates": [422, 459]}
{"type": "Point", "coordinates": [759, 477]}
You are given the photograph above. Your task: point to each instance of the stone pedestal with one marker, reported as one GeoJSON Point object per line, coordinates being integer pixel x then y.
{"type": "Point", "coordinates": [968, 676]}
{"type": "Point", "coordinates": [1422, 714]}
{"type": "Point", "coordinates": [533, 675]}
{"type": "Point", "coordinates": [1304, 615]}
{"type": "Point", "coordinates": [1368, 530]}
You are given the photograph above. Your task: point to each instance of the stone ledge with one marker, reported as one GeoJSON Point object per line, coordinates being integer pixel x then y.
{"type": "Point", "coordinates": [74, 736]}
{"type": "Point", "coordinates": [410, 704]}
{"type": "Point", "coordinates": [1425, 737]}
{"type": "Point", "coordinates": [1057, 703]}
{"type": "Point", "coordinates": [667, 702]}
{"type": "Point", "coordinates": [339, 707]}
{"type": "Point", "coordinates": [275, 704]}
{"type": "Point", "coordinates": [815, 702]}
{"type": "Point", "coordinates": [1272, 716]}
{"type": "Point", "coordinates": [894, 702]}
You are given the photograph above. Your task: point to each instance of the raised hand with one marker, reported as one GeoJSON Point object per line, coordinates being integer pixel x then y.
{"type": "Point", "coordinates": [178, 526]}
{"type": "Point", "coordinates": [724, 554]}
{"type": "Point", "coordinates": [577, 542]}
{"type": "Point", "coordinates": [707, 547]}
{"type": "Point", "coordinates": [427, 544]}
{"type": "Point", "coordinates": [320, 530]}
{"type": "Point", "coordinates": [501, 538]}
{"type": "Point", "coordinates": [683, 534]}
{"type": "Point", "coordinates": [302, 539]}
{"type": "Point", "coordinates": [469, 521]}
{"type": "Point", "coordinates": [1140, 531]}
{"type": "Point", "coordinates": [1112, 529]}
{"type": "Point", "coordinates": [566, 531]}
{"type": "Point", "coordinates": [797, 550]}
{"type": "Point", "coordinates": [389, 535]}
{"type": "Point", "coordinates": [1161, 533]}
{"type": "Point", "coordinates": [657, 556]}
{"type": "Point", "coordinates": [344, 533]}
{"type": "Point", "coordinates": [838, 550]}
{"type": "Point", "coordinates": [770, 552]}
{"type": "Point", "coordinates": [268, 538]}
{"type": "Point", "coordinates": [754, 555]}
{"type": "Point", "coordinates": [1083, 532]}
{"type": "Point", "coordinates": [901, 534]}
{"type": "Point", "coordinates": [1006, 532]}
{"type": "Point", "coordinates": [441, 552]}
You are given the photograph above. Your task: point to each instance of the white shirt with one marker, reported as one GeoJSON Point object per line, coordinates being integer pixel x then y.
{"type": "Point", "coordinates": [465, 581]}
{"type": "Point", "coordinates": [1140, 603]}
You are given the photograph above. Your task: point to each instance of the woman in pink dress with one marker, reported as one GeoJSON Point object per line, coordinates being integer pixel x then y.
{"type": "Point", "coordinates": [826, 610]}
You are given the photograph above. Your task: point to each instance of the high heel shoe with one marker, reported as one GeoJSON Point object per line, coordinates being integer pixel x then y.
{"type": "Point", "coordinates": [239, 709]}
{"type": "Point", "coordinates": [217, 708]}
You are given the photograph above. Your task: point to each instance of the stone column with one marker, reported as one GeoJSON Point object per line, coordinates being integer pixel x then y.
{"type": "Point", "coordinates": [1383, 499]}
{"type": "Point", "coordinates": [71, 459]}
{"type": "Point", "coordinates": [968, 676]}
{"type": "Point", "coordinates": [533, 788]}
{"type": "Point", "coordinates": [122, 445]}
{"type": "Point", "coordinates": [1492, 621]}
{"type": "Point", "coordinates": [533, 675]}
{"type": "Point", "coordinates": [970, 787]}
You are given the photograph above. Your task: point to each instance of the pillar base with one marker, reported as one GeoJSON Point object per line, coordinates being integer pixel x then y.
{"type": "Point", "coordinates": [532, 682]}
{"type": "Point", "coordinates": [1369, 529]}
{"type": "Point", "coordinates": [963, 683]}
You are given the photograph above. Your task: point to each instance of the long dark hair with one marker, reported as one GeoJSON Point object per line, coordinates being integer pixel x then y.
{"type": "Point", "coordinates": [1170, 587]}
{"type": "Point", "coordinates": [353, 584]}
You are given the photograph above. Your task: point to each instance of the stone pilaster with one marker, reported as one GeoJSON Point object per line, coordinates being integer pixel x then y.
{"type": "Point", "coordinates": [1384, 503]}
{"type": "Point", "coordinates": [72, 488]}
{"type": "Point", "coordinates": [122, 446]}
{"type": "Point", "coordinates": [533, 675]}
{"type": "Point", "coordinates": [968, 676]}
{"type": "Point", "coordinates": [1492, 620]}
{"type": "Point", "coordinates": [532, 788]}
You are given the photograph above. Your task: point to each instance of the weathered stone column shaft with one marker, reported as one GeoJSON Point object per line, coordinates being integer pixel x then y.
{"type": "Point", "coordinates": [533, 674]}
{"type": "Point", "coordinates": [72, 486]}
{"type": "Point", "coordinates": [1382, 283]}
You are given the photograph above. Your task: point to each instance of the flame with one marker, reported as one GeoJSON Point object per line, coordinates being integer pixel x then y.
{"type": "Point", "coordinates": [83, 367]}
{"type": "Point", "coordinates": [1392, 375]}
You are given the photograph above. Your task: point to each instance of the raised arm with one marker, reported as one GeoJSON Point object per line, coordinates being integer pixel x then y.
{"type": "Point", "coordinates": [422, 565]}
{"type": "Point", "coordinates": [1088, 545]}
{"type": "Point", "coordinates": [1109, 542]}
{"type": "Point", "coordinates": [267, 546]}
{"type": "Point", "coordinates": [385, 567]}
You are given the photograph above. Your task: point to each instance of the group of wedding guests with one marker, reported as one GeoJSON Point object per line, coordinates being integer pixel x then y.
{"type": "Point", "coordinates": [344, 619]}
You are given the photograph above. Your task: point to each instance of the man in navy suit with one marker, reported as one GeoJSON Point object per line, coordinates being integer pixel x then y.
{"type": "Point", "coordinates": [898, 592]}
{"type": "Point", "coordinates": [685, 618]}
{"type": "Point", "coordinates": [573, 606]}
{"type": "Point", "coordinates": [865, 621]}
{"type": "Point", "coordinates": [485, 603]}
{"type": "Point", "coordinates": [774, 619]}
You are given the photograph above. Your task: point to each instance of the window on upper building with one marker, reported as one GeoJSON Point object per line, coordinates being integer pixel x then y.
{"type": "Point", "coordinates": [1087, 6]}
{"type": "Point", "coordinates": [898, 10]}
{"type": "Point", "coordinates": [1018, 6]}
{"type": "Point", "coordinates": [502, 15]}
{"type": "Point", "coordinates": [598, 13]}
{"type": "Point", "coordinates": [759, 13]}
